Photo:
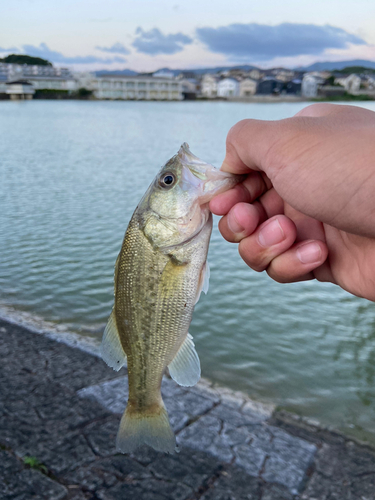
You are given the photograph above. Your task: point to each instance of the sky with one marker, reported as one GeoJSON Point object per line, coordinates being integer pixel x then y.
{"type": "Point", "coordinates": [145, 35]}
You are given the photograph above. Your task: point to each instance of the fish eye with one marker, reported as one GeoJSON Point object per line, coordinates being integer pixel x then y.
{"type": "Point", "coordinates": [167, 180]}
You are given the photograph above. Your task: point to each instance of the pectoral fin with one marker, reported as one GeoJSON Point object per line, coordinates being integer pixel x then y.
{"type": "Point", "coordinates": [111, 349]}
{"type": "Point", "coordinates": [185, 369]}
{"type": "Point", "coordinates": [203, 280]}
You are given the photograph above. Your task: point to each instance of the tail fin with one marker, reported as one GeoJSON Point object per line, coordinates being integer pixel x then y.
{"type": "Point", "coordinates": [148, 428]}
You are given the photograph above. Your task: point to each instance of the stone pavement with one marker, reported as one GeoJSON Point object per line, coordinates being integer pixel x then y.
{"type": "Point", "coordinates": [59, 412]}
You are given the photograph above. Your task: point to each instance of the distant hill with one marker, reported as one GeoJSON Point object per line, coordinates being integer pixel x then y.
{"type": "Point", "coordinates": [23, 59]}
{"type": "Point", "coordinates": [338, 65]}
{"type": "Point", "coordinates": [198, 71]}
{"type": "Point", "coordinates": [124, 72]}
{"type": "Point", "coordinates": [355, 69]}
{"type": "Point", "coordinates": [319, 66]}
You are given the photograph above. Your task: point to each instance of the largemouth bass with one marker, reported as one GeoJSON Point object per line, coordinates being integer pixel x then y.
{"type": "Point", "coordinates": [159, 275]}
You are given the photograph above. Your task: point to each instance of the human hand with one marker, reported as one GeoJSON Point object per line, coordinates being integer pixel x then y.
{"type": "Point", "coordinates": [307, 207]}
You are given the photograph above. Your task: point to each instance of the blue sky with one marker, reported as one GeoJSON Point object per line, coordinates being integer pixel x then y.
{"type": "Point", "coordinates": [147, 35]}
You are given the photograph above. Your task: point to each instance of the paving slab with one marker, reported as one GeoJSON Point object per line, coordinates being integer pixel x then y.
{"type": "Point", "coordinates": [230, 428]}
{"type": "Point", "coordinates": [61, 406]}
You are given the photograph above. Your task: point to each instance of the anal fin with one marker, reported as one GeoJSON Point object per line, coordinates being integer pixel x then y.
{"type": "Point", "coordinates": [111, 349]}
{"type": "Point", "coordinates": [185, 368]}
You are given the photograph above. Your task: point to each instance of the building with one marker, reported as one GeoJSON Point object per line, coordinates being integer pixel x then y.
{"type": "Point", "coordinates": [134, 88]}
{"type": "Point", "coordinates": [369, 83]}
{"type": "Point", "coordinates": [282, 74]}
{"type": "Point", "coordinates": [294, 86]}
{"type": "Point", "coordinates": [20, 90]}
{"type": "Point", "coordinates": [40, 77]}
{"type": "Point", "coordinates": [269, 86]}
{"type": "Point", "coordinates": [351, 83]}
{"type": "Point", "coordinates": [186, 74]}
{"type": "Point", "coordinates": [209, 85]}
{"type": "Point", "coordinates": [331, 91]}
{"type": "Point", "coordinates": [236, 73]}
{"type": "Point", "coordinates": [228, 87]}
{"type": "Point", "coordinates": [3, 80]}
{"type": "Point", "coordinates": [53, 83]}
{"type": "Point", "coordinates": [248, 87]}
{"type": "Point", "coordinates": [311, 84]}
{"type": "Point", "coordinates": [164, 73]}
{"type": "Point", "coordinates": [255, 74]}
{"type": "Point", "coordinates": [190, 88]}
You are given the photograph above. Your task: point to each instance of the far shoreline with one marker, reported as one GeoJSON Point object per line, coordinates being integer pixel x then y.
{"type": "Point", "coordinates": [257, 99]}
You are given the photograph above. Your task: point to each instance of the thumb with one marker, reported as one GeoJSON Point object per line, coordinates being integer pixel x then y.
{"type": "Point", "coordinates": [250, 145]}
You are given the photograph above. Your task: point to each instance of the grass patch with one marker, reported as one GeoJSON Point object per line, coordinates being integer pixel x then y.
{"type": "Point", "coordinates": [344, 97]}
{"type": "Point", "coordinates": [34, 463]}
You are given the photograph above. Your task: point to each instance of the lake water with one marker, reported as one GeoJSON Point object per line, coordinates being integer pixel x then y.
{"type": "Point", "coordinates": [71, 174]}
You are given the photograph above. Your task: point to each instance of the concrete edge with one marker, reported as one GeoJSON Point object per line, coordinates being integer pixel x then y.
{"type": "Point", "coordinates": [59, 333]}
{"type": "Point", "coordinates": [92, 346]}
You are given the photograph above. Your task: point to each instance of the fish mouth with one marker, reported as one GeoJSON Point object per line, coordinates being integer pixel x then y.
{"type": "Point", "coordinates": [205, 177]}
{"type": "Point", "coordinates": [196, 166]}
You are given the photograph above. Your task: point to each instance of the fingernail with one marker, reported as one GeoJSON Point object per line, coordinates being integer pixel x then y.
{"type": "Point", "coordinates": [271, 234]}
{"type": "Point", "coordinates": [309, 253]}
{"type": "Point", "coordinates": [234, 225]}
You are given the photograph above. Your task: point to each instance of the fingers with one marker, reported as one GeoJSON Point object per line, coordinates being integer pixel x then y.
{"type": "Point", "coordinates": [270, 239]}
{"type": "Point", "coordinates": [271, 245]}
{"type": "Point", "coordinates": [299, 262]}
{"type": "Point", "coordinates": [241, 221]}
{"type": "Point", "coordinates": [248, 191]}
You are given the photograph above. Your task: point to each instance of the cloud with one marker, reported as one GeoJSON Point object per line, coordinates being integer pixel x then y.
{"type": "Point", "coordinates": [155, 42]}
{"type": "Point", "coordinates": [46, 53]}
{"type": "Point", "coordinates": [263, 42]}
{"type": "Point", "coordinates": [10, 49]}
{"type": "Point", "coordinates": [116, 48]}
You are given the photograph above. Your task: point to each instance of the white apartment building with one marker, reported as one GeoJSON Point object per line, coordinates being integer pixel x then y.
{"type": "Point", "coordinates": [351, 83]}
{"type": "Point", "coordinates": [228, 87]}
{"type": "Point", "coordinates": [209, 85]}
{"type": "Point", "coordinates": [134, 88]}
{"type": "Point", "coordinates": [41, 77]}
{"type": "Point", "coordinates": [310, 85]}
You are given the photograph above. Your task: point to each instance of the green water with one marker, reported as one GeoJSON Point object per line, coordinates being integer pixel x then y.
{"type": "Point", "coordinates": [71, 174]}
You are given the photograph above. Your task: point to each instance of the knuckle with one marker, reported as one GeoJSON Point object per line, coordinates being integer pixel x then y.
{"type": "Point", "coordinates": [235, 132]}
{"type": "Point", "coordinates": [258, 261]}
{"type": "Point", "coordinates": [318, 109]}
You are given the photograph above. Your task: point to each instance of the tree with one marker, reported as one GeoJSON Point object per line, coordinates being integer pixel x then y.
{"type": "Point", "coordinates": [23, 59]}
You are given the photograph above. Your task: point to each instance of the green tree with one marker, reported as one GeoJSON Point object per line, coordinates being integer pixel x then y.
{"type": "Point", "coordinates": [23, 59]}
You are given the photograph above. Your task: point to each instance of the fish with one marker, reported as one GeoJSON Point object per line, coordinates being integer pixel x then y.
{"type": "Point", "coordinates": [160, 273]}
